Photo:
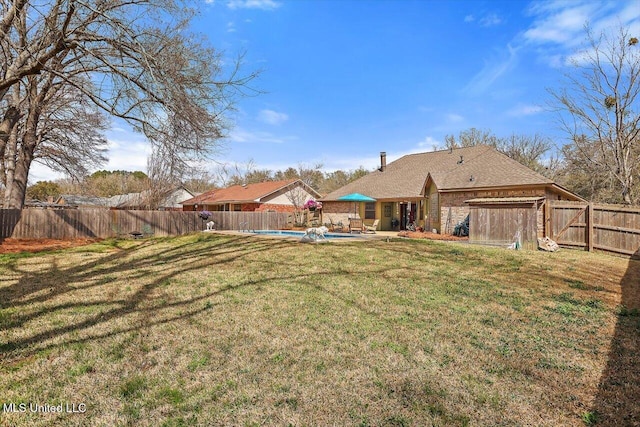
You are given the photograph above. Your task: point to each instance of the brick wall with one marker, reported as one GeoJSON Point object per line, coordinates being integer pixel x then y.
{"type": "Point", "coordinates": [337, 212]}
{"type": "Point", "coordinates": [275, 208]}
{"type": "Point", "coordinates": [337, 207]}
{"type": "Point", "coordinates": [450, 216]}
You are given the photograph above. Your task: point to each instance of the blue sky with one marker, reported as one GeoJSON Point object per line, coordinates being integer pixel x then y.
{"type": "Point", "coordinates": [344, 80]}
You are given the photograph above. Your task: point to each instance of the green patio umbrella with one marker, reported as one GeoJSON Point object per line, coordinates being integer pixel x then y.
{"type": "Point", "coordinates": [356, 198]}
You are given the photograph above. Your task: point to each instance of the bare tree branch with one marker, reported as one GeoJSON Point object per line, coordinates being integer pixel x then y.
{"type": "Point", "coordinates": [135, 60]}
{"type": "Point", "coordinates": [599, 108]}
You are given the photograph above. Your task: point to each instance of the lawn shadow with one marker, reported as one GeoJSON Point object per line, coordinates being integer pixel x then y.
{"type": "Point", "coordinates": [617, 402]}
{"type": "Point", "coordinates": [38, 288]}
{"type": "Point", "coordinates": [137, 263]}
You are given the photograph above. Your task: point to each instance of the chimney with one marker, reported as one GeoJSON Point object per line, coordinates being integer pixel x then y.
{"type": "Point", "coordinates": [383, 161]}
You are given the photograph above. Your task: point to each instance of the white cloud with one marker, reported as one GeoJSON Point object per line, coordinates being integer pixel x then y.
{"type": "Point", "coordinates": [428, 144]}
{"type": "Point", "coordinates": [493, 69]}
{"type": "Point", "coordinates": [244, 136]}
{"type": "Point", "coordinates": [130, 155]}
{"type": "Point", "coordinates": [454, 118]}
{"type": "Point", "coordinates": [560, 26]}
{"type": "Point", "coordinates": [525, 110]}
{"type": "Point", "coordinates": [253, 4]}
{"type": "Point", "coordinates": [272, 117]}
{"type": "Point", "coordinates": [562, 22]}
{"type": "Point", "coordinates": [490, 20]}
{"type": "Point", "coordinates": [40, 172]}
{"type": "Point", "coordinates": [231, 27]}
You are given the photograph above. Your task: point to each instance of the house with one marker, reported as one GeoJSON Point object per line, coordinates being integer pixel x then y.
{"type": "Point", "coordinates": [166, 201]}
{"type": "Point", "coordinates": [438, 189]}
{"type": "Point", "coordinates": [170, 200]}
{"type": "Point", "coordinates": [279, 196]}
{"type": "Point", "coordinates": [82, 202]}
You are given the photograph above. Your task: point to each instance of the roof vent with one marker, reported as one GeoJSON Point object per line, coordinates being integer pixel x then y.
{"type": "Point", "coordinates": [472, 179]}
{"type": "Point", "coordinates": [461, 161]}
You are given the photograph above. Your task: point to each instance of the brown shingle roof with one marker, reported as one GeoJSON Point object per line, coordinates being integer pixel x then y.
{"type": "Point", "coordinates": [242, 193]}
{"type": "Point", "coordinates": [405, 177]}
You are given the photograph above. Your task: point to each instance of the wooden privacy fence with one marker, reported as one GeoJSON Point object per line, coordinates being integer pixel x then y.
{"type": "Point", "coordinates": [251, 220]}
{"type": "Point", "coordinates": [102, 223]}
{"type": "Point", "coordinates": [592, 226]}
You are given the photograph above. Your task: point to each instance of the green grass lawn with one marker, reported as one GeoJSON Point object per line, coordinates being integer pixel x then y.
{"type": "Point", "coordinates": [235, 330]}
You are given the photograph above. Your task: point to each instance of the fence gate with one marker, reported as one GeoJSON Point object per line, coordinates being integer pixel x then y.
{"type": "Point", "coordinates": [610, 228]}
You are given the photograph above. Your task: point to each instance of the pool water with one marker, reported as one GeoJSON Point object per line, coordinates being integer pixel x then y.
{"type": "Point", "coordinates": [299, 234]}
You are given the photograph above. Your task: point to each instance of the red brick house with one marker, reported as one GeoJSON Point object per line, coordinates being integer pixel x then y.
{"type": "Point", "coordinates": [278, 196]}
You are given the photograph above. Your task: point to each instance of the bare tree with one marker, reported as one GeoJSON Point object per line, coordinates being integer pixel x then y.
{"type": "Point", "coordinates": [135, 60]}
{"type": "Point", "coordinates": [200, 181]}
{"type": "Point", "coordinates": [471, 137]}
{"type": "Point", "coordinates": [298, 194]}
{"type": "Point", "coordinates": [532, 151]}
{"type": "Point", "coordinates": [599, 107]}
{"type": "Point", "coordinates": [527, 150]}
{"type": "Point", "coordinates": [56, 128]}
{"type": "Point", "coordinates": [242, 174]}
{"type": "Point", "coordinates": [583, 173]}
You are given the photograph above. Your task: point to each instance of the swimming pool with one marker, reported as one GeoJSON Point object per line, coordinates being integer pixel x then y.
{"type": "Point", "coordinates": [300, 234]}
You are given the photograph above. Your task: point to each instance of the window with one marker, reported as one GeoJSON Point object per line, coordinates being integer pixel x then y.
{"type": "Point", "coordinates": [370, 210]}
{"type": "Point", "coordinates": [237, 208]}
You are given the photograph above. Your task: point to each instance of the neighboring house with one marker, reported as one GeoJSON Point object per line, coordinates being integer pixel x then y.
{"type": "Point", "coordinates": [279, 196]}
{"type": "Point", "coordinates": [436, 189]}
{"type": "Point", "coordinates": [50, 204]}
{"type": "Point", "coordinates": [83, 202]}
{"type": "Point", "coordinates": [130, 201]}
{"type": "Point", "coordinates": [170, 201]}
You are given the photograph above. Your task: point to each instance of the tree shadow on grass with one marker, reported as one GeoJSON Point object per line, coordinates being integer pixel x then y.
{"type": "Point", "coordinates": [38, 295]}
{"type": "Point", "coordinates": [43, 286]}
{"type": "Point", "coordinates": [617, 402]}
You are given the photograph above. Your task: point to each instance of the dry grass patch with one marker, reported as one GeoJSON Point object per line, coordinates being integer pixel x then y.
{"type": "Point", "coordinates": [235, 330]}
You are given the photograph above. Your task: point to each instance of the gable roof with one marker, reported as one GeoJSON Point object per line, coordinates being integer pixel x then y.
{"type": "Point", "coordinates": [78, 200]}
{"type": "Point", "coordinates": [250, 193]}
{"type": "Point", "coordinates": [169, 198]}
{"type": "Point", "coordinates": [406, 177]}
{"type": "Point", "coordinates": [128, 200]}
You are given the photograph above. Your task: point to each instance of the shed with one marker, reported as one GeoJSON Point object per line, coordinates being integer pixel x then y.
{"type": "Point", "coordinates": [497, 220]}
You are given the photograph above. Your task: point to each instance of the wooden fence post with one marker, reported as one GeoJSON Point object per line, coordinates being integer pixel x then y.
{"type": "Point", "coordinates": [548, 222]}
{"type": "Point", "coordinates": [589, 221]}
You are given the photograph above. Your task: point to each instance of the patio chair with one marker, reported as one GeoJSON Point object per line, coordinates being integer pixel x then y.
{"type": "Point", "coordinates": [336, 226]}
{"type": "Point", "coordinates": [372, 228]}
{"type": "Point", "coordinates": [355, 225]}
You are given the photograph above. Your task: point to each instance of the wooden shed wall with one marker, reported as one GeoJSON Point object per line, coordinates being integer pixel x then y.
{"type": "Point", "coordinates": [498, 224]}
